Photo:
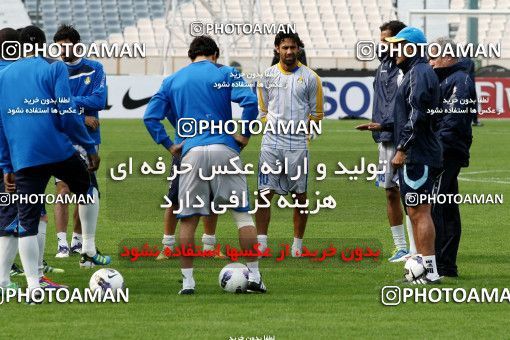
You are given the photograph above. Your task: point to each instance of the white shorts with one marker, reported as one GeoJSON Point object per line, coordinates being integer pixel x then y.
{"type": "Point", "coordinates": [284, 183]}
{"type": "Point", "coordinates": [219, 190]}
{"type": "Point", "coordinates": [389, 178]}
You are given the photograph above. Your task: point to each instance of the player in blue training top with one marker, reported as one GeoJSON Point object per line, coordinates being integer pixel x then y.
{"type": "Point", "coordinates": [10, 212]}
{"type": "Point", "coordinates": [88, 88]}
{"type": "Point", "coordinates": [39, 123]}
{"type": "Point", "coordinates": [170, 219]}
{"type": "Point", "coordinates": [190, 94]}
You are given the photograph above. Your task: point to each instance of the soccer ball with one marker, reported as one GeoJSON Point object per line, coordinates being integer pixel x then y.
{"type": "Point", "coordinates": [414, 268]}
{"type": "Point", "coordinates": [106, 278]}
{"type": "Point", "coordinates": [234, 278]}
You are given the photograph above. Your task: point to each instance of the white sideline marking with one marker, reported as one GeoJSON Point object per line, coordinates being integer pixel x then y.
{"type": "Point", "coordinates": [495, 180]}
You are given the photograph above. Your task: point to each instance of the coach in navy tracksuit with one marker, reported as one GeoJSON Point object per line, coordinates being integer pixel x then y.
{"type": "Point", "coordinates": [469, 67]}
{"type": "Point", "coordinates": [419, 154]}
{"type": "Point", "coordinates": [453, 126]}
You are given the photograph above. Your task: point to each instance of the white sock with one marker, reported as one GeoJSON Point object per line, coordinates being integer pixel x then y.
{"type": "Point", "coordinates": [430, 264]}
{"type": "Point", "coordinates": [187, 278]}
{"type": "Point", "coordinates": [41, 241]}
{"type": "Point", "coordinates": [88, 217]}
{"type": "Point", "coordinates": [253, 271]}
{"type": "Point", "coordinates": [29, 254]}
{"type": "Point", "coordinates": [8, 251]}
{"type": "Point", "coordinates": [169, 241]}
{"type": "Point", "coordinates": [62, 239]}
{"type": "Point", "coordinates": [208, 241]}
{"type": "Point", "coordinates": [77, 238]}
{"type": "Point", "coordinates": [399, 236]}
{"type": "Point", "coordinates": [298, 243]}
{"type": "Point", "coordinates": [262, 239]}
{"type": "Point", "coordinates": [410, 234]}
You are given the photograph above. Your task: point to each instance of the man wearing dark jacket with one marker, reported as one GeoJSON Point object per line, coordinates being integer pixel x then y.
{"type": "Point", "coordinates": [419, 155]}
{"type": "Point", "coordinates": [469, 67]}
{"type": "Point", "coordinates": [453, 127]}
{"type": "Point", "coordinates": [385, 88]}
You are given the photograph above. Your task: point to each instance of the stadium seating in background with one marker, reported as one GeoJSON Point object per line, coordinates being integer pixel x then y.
{"type": "Point", "coordinates": [99, 19]}
{"type": "Point", "coordinates": [491, 28]}
{"type": "Point", "coordinates": [13, 14]}
{"type": "Point", "coordinates": [329, 28]}
{"type": "Point", "coordinates": [324, 26]}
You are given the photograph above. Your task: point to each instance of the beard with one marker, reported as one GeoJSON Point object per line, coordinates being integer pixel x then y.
{"type": "Point", "coordinates": [290, 60]}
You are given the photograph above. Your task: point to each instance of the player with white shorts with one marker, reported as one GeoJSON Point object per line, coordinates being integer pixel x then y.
{"type": "Point", "coordinates": [283, 183]}
{"type": "Point", "coordinates": [289, 93]}
{"type": "Point", "coordinates": [386, 82]}
{"type": "Point", "coordinates": [219, 190]}
{"type": "Point", "coordinates": [201, 191]}
{"type": "Point", "coordinates": [388, 179]}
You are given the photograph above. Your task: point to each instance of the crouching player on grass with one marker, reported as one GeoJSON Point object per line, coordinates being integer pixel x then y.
{"type": "Point", "coordinates": [419, 155]}
{"type": "Point", "coordinates": [190, 94]}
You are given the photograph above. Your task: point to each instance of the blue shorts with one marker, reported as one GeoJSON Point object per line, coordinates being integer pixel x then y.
{"type": "Point", "coordinates": [414, 180]}
{"type": "Point", "coordinates": [33, 180]}
{"type": "Point", "coordinates": [173, 188]}
{"type": "Point", "coordinates": [9, 213]}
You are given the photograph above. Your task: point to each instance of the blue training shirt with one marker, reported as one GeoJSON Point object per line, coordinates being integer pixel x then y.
{"type": "Point", "coordinates": [5, 63]}
{"type": "Point", "coordinates": [39, 122]}
{"type": "Point", "coordinates": [3, 150]}
{"type": "Point", "coordinates": [191, 93]}
{"type": "Point", "coordinates": [88, 87]}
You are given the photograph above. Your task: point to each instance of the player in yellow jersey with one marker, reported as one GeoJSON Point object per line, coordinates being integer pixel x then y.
{"type": "Point", "coordinates": [289, 93]}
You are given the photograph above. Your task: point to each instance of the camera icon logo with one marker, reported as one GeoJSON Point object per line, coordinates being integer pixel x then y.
{"type": "Point", "coordinates": [186, 127]}
{"type": "Point", "coordinates": [391, 295]}
{"type": "Point", "coordinates": [5, 199]}
{"type": "Point", "coordinates": [412, 199]}
{"type": "Point", "coordinates": [365, 50]}
{"type": "Point", "coordinates": [196, 29]}
{"type": "Point", "coordinates": [10, 50]}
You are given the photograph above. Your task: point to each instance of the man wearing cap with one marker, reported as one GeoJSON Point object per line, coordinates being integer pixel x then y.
{"type": "Point", "coordinates": [419, 155]}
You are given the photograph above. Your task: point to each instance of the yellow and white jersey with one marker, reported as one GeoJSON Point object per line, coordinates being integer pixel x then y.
{"type": "Point", "coordinates": [289, 98]}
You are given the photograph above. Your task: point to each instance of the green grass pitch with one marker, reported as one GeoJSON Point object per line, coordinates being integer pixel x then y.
{"type": "Point", "coordinates": [303, 302]}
